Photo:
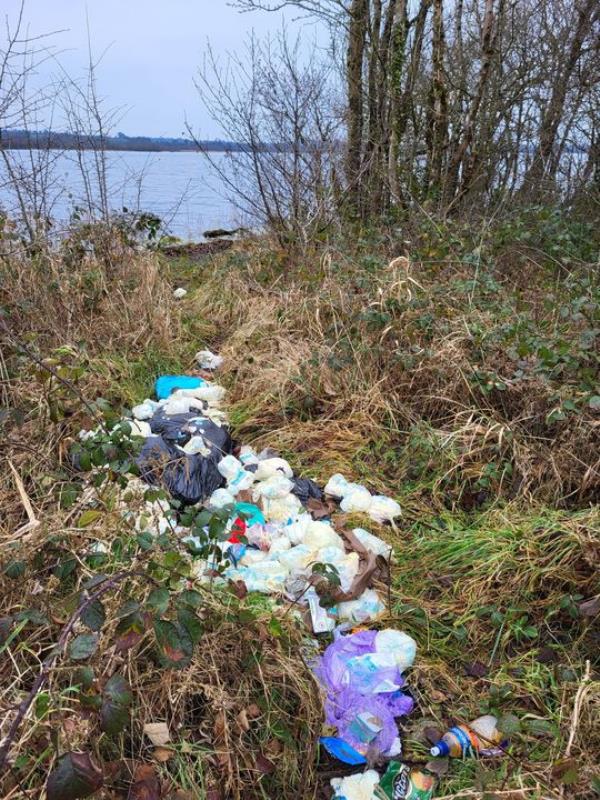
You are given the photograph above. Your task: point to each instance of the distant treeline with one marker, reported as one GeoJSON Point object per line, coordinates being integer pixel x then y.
{"type": "Point", "coordinates": [36, 140]}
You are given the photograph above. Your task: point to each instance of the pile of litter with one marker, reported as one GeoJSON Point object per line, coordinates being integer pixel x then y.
{"type": "Point", "coordinates": [282, 541]}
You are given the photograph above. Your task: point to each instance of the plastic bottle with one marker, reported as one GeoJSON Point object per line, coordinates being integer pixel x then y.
{"type": "Point", "coordinates": [464, 740]}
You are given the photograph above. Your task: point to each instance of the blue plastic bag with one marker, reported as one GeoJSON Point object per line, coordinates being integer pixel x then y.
{"type": "Point", "coordinates": [166, 384]}
{"type": "Point", "coordinates": [341, 750]}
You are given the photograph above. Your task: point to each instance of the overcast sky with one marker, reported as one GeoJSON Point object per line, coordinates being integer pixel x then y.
{"type": "Point", "coordinates": [154, 49]}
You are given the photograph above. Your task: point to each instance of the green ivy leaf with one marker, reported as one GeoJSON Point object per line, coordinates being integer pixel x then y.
{"type": "Point", "coordinates": [94, 615]}
{"type": "Point", "coordinates": [75, 776]}
{"type": "Point", "coordinates": [85, 677]}
{"type": "Point", "coordinates": [89, 517]}
{"type": "Point", "coordinates": [83, 646]}
{"type": "Point", "coordinates": [174, 643]}
{"type": "Point", "coordinates": [189, 597]}
{"type": "Point", "coordinates": [145, 540]}
{"type": "Point", "coordinates": [509, 724]}
{"type": "Point", "coordinates": [15, 569]}
{"type": "Point", "coordinates": [540, 727]}
{"type": "Point", "coordinates": [116, 700]}
{"type": "Point", "coordinates": [65, 568]}
{"type": "Point", "coordinates": [158, 600]}
{"type": "Point", "coordinates": [192, 624]}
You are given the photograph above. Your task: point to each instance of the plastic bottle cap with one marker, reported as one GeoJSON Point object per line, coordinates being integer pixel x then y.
{"type": "Point", "coordinates": [435, 751]}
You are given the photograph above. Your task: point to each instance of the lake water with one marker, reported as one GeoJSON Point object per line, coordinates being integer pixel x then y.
{"type": "Point", "coordinates": [180, 188]}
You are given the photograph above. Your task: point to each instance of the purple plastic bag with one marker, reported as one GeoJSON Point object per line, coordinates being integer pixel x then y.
{"type": "Point", "coordinates": [350, 704]}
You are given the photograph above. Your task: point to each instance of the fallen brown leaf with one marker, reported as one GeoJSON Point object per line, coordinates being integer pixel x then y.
{"type": "Point", "coordinates": [476, 669]}
{"type": "Point", "coordinates": [253, 711]}
{"type": "Point", "coordinates": [589, 608]}
{"type": "Point", "coordinates": [239, 589]}
{"type": "Point", "coordinates": [158, 733]}
{"type": "Point", "coordinates": [146, 786]}
{"type": "Point", "coordinates": [264, 765]}
{"type": "Point", "coordinates": [242, 721]}
{"type": "Point", "coordinates": [162, 754]}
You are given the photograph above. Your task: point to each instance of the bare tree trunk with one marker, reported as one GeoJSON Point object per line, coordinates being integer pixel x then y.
{"type": "Point", "coordinates": [459, 156]}
{"type": "Point", "coordinates": [437, 125]}
{"type": "Point", "coordinates": [373, 143]}
{"type": "Point", "coordinates": [397, 117]}
{"type": "Point", "coordinates": [359, 16]}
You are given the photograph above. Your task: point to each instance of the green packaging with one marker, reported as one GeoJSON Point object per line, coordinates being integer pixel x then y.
{"type": "Point", "coordinates": [400, 782]}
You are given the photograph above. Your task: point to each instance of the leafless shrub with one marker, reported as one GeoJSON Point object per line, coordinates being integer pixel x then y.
{"type": "Point", "coordinates": [279, 109]}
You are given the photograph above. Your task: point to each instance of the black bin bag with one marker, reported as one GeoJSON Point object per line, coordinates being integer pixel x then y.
{"type": "Point", "coordinates": [188, 478]}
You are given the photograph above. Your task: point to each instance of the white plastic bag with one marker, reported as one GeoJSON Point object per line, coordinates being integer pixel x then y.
{"type": "Point", "coordinates": [210, 393]}
{"type": "Point", "coordinates": [267, 577]}
{"type": "Point", "coordinates": [221, 498]}
{"type": "Point", "coordinates": [373, 543]}
{"type": "Point", "coordinates": [273, 466]}
{"type": "Point", "coordinates": [145, 410]}
{"type": "Point", "coordinates": [248, 456]}
{"type": "Point", "coordinates": [366, 608]}
{"type": "Point", "coordinates": [356, 787]}
{"type": "Point", "coordinates": [275, 486]}
{"type": "Point", "coordinates": [321, 534]}
{"type": "Point", "coordinates": [281, 509]}
{"type": "Point", "coordinates": [208, 360]}
{"type": "Point", "coordinates": [357, 498]}
{"type": "Point", "coordinates": [140, 428]}
{"type": "Point", "coordinates": [383, 509]}
{"type": "Point", "coordinates": [236, 476]}
{"type": "Point", "coordinates": [336, 486]}
{"type": "Point", "coordinates": [196, 446]}
{"type": "Point", "coordinates": [398, 646]}
{"type": "Point", "coordinates": [296, 531]}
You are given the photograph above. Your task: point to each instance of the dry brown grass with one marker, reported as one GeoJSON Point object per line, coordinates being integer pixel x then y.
{"type": "Point", "coordinates": [298, 351]}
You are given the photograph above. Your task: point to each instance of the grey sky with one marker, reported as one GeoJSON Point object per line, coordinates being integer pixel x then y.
{"type": "Point", "coordinates": [154, 49]}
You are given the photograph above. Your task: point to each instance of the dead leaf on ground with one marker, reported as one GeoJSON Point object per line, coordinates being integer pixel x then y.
{"type": "Point", "coordinates": [273, 748]}
{"type": "Point", "coordinates": [239, 589]}
{"type": "Point", "coordinates": [437, 697]}
{"type": "Point", "coordinates": [432, 734]}
{"type": "Point", "coordinates": [219, 726]}
{"type": "Point", "coordinates": [438, 766]}
{"type": "Point", "coordinates": [162, 754]}
{"type": "Point", "coordinates": [589, 608]}
{"type": "Point", "coordinates": [146, 785]}
{"type": "Point", "coordinates": [264, 765]}
{"type": "Point", "coordinates": [158, 733]}
{"type": "Point", "coordinates": [547, 655]}
{"type": "Point", "coordinates": [476, 669]}
{"type": "Point", "coordinates": [242, 721]}
{"type": "Point", "coordinates": [565, 771]}
{"type": "Point", "coordinates": [319, 509]}
{"type": "Point", "coordinates": [253, 711]}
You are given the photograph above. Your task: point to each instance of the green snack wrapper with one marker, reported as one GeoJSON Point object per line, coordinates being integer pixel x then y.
{"type": "Point", "coordinates": [400, 782]}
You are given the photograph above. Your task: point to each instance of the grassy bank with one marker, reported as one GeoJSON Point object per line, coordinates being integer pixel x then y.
{"type": "Point", "coordinates": [460, 378]}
